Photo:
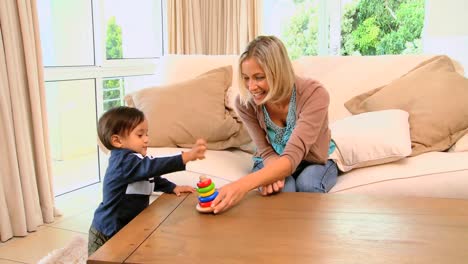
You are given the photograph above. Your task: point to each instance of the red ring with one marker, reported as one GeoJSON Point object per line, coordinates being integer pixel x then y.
{"type": "Point", "coordinates": [207, 204]}
{"type": "Point", "coordinates": [204, 183]}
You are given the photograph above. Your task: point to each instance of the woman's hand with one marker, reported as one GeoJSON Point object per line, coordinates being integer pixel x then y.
{"type": "Point", "coordinates": [231, 194]}
{"type": "Point", "coordinates": [272, 188]}
{"type": "Point", "coordinates": [228, 196]}
{"type": "Point", "coordinates": [183, 189]}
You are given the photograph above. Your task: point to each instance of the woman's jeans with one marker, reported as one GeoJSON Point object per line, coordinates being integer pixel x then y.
{"type": "Point", "coordinates": [309, 177]}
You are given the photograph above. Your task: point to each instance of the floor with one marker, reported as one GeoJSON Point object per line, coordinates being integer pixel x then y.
{"type": "Point", "coordinates": [77, 211]}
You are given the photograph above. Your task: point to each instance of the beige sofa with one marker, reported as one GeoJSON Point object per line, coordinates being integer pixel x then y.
{"type": "Point", "coordinates": [432, 174]}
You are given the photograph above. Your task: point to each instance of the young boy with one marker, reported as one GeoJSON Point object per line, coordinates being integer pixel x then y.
{"type": "Point", "coordinates": [132, 176]}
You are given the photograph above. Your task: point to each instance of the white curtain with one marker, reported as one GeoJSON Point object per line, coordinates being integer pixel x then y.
{"type": "Point", "coordinates": [211, 27]}
{"type": "Point", "coordinates": [26, 194]}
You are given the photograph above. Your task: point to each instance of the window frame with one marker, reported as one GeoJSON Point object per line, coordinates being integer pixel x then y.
{"type": "Point", "coordinates": [106, 69]}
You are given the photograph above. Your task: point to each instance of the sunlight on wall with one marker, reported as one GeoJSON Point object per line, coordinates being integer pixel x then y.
{"type": "Point", "coordinates": [446, 29]}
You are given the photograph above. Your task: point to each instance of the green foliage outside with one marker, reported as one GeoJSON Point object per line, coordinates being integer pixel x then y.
{"type": "Point", "coordinates": [368, 27]}
{"type": "Point", "coordinates": [300, 36]}
{"type": "Point", "coordinates": [113, 40]}
{"type": "Point", "coordinates": [111, 87]}
{"type": "Point", "coordinates": [112, 93]}
{"type": "Point", "coordinates": [376, 27]}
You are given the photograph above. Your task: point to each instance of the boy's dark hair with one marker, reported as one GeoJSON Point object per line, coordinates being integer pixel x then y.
{"type": "Point", "coordinates": [119, 120]}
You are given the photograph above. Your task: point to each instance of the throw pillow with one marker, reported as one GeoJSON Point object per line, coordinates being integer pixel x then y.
{"type": "Point", "coordinates": [434, 95]}
{"type": "Point", "coordinates": [180, 113]}
{"type": "Point", "coordinates": [370, 139]}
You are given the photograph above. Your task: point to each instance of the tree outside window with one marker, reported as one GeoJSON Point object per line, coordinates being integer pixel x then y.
{"type": "Point", "coordinates": [301, 34]}
{"type": "Point", "coordinates": [368, 27]}
{"type": "Point", "coordinates": [113, 40]}
{"type": "Point", "coordinates": [113, 89]}
{"type": "Point", "coordinates": [375, 27]}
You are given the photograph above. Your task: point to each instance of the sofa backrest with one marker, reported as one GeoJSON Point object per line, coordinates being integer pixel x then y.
{"type": "Point", "coordinates": [343, 76]}
{"type": "Point", "coordinates": [347, 76]}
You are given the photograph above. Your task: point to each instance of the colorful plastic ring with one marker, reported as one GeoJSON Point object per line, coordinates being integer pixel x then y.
{"type": "Point", "coordinates": [209, 198]}
{"type": "Point", "coordinates": [207, 193]}
{"type": "Point", "coordinates": [207, 204]}
{"type": "Point", "coordinates": [204, 183]}
{"type": "Point", "coordinates": [206, 189]}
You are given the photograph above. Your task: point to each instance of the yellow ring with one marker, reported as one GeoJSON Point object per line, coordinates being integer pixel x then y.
{"type": "Point", "coordinates": [207, 193]}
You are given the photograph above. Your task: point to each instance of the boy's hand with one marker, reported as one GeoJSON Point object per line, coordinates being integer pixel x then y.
{"type": "Point", "coordinates": [197, 151]}
{"type": "Point", "coordinates": [183, 189]}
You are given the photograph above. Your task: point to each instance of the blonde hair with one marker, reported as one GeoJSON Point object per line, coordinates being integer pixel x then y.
{"type": "Point", "coordinates": [269, 52]}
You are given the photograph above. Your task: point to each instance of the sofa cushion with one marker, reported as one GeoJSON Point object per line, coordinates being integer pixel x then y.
{"type": "Point", "coordinates": [435, 96]}
{"type": "Point", "coordinates": [371, 138]}
{"type": "Point", "coordinates": [180, 113]}
{"type": "Point", "coordinates": [432, 174]}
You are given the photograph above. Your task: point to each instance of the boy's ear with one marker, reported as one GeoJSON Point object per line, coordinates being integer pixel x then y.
{"type": "Point", "coordinates": [116, 141]}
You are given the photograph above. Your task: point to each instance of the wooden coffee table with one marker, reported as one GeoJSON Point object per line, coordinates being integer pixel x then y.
{"type": "Point", "coordinates": [295, 228]}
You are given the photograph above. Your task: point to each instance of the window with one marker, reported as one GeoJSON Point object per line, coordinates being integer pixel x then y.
{"type": "Point", "coordinates": [296, 25]}
{"type": "Point", "coordinates": [71, 112]}
{"type": "Point", "coordinates": [345, 27]}
{"type": "Point", "coordinates": [137, 26]}
{"type": "Point", "coordinates": [95, 51]}
{"type": "Point", "coordinates": [113, 91]}
{"type": "Point", "coordinates": [372, 27]}
{"type": "Point", "coordinates": [66, 29]}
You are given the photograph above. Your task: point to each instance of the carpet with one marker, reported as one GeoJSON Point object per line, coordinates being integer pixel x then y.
{"type": "Point", "coordinates": [76, 252]}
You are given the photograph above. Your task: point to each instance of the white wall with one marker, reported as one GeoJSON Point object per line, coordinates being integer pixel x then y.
{"type": "Point", "coordinates": [446, 29]}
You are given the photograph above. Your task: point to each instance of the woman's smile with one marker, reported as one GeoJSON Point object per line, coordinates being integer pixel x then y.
{"type": "Point", "coordinates": [255, 80]}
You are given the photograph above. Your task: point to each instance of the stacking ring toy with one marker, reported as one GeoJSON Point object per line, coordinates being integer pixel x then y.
{"type": "Point", "coordinates": [208, 198]}
{"type": "Point", "coordinates": [206, 189]}
{"type": "Point", "coordinates": [208, 204]}
{"type": "Point", "coordinates": [206, 194]}
{"type": "Point", "coordinates": [204, 183]}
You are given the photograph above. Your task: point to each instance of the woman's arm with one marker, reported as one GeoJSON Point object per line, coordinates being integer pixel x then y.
{"type": "Point", "coordinates": [311, 130]}
{"type": "Point", "coordinates": [232, 193]}
{"type": "Point", "coordinates": [273, 171]}
{"type": "Point", "coordinates": [249, 117]}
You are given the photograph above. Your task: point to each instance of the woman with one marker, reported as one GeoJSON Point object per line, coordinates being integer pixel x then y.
{"type": "Point", "coordinates": [287, 118]}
